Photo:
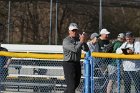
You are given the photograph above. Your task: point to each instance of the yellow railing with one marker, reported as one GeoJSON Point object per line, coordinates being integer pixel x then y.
{"type": "Point", "coordinates": [33, 55]}
{"type": "Point", "coordinates": [116, 56]}
{"type": "Point", "coordinates": [60, 56]}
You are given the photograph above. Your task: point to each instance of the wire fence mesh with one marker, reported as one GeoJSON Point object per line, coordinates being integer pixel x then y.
{"type": "Point", "coordinates": [106, 77]}
{"type": "Point", "coordinates": [32, 75]}
{"type": "Point", "coordinates": [36, 75]}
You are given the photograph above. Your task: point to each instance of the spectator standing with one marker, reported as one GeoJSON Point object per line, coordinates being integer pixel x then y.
{"type": "Point", "coordinates": [72, 46]}
{"type": "Point", "coordinates": [4, 63]}
{"type": "Point", "coordinates": [92, 44]}
{"type": "Point", "coordinates": [112, 67]}
{"type": "Point", "coordinates": [131, 67]}
{"type": "Point", "coordinates": [103, 41]}
{"type": "Point", "coordinates": [102, 63]}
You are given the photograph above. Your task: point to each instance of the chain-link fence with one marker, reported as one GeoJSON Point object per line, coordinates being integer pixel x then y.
{"type": "Point", "coordinates": [36, 75]}
{"type": "Point", "coordinates": [109, 75]}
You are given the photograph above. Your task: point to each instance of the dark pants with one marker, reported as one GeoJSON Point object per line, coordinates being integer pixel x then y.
{"type": "Point", "coordinates": [130, 76]}
{"type": "Point", "coordinates": [72, 72]}
{"type": "Point", "coordinates": [3, 75]}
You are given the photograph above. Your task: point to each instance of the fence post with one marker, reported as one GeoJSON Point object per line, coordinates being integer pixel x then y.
{"type": "Point", "coordinates": [87, 72]}
{"type": "Point", "coordinates": [119, 74]}
{"type": "Point", "coordinates": [92, 62]}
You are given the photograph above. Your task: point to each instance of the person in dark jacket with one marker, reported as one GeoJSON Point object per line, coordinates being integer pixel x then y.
{"type": "Point", "coordinates": [72, 46]}
{"type": "Point", "coordinates": [103, 42]}
{"type": "Point", "coordinates": [4, 63]}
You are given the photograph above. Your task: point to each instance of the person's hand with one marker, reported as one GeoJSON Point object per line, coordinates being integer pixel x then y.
{"type": "Point", "coordinates": [83, 37]}
{"type": "Point", "coordinates": [86, 36]}
{"type": "Point", "coordinates": [129, 51]}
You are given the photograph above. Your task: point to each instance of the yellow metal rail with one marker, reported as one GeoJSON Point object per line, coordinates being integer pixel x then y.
{"type": "Point", "coordinates": [60, 56]}
{"type": "Point", "coordinates": [116, 56]}
{"type": "Point", "coordinates": [33, 55]}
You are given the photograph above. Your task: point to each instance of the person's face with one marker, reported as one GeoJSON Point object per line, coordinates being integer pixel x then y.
{"type": "Point", "coordinates": [129, 39]}
{"type": "Point", "coordinates": [122, 39]}
{"type": "Point", "coordinates": [73, 33]}
{"type": "Point", "coordinates": [104, 36]}
{"type": "Point", "coordinates": [94, 40]}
